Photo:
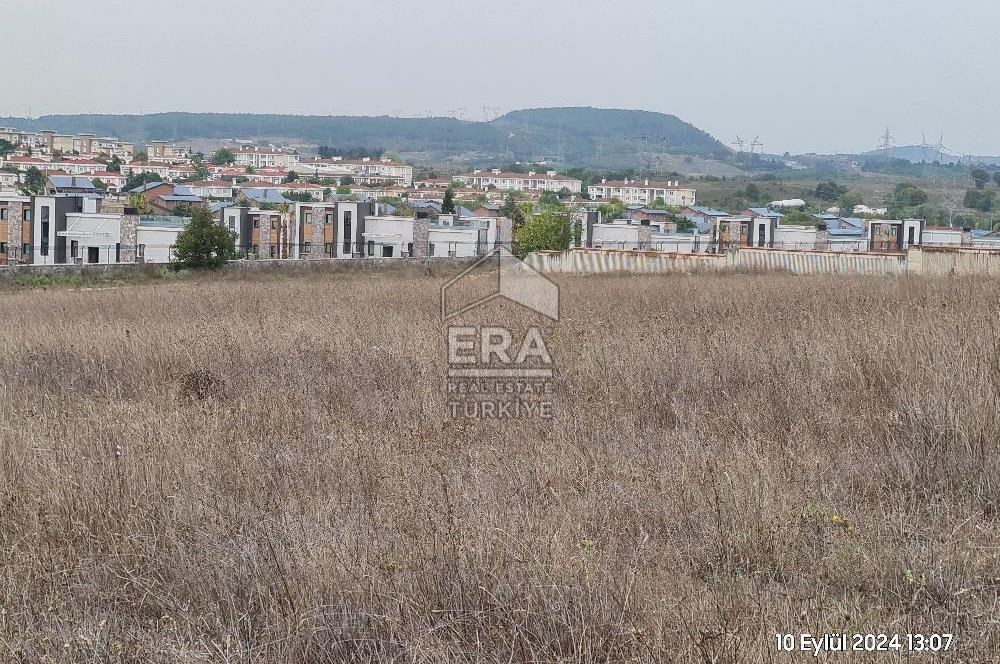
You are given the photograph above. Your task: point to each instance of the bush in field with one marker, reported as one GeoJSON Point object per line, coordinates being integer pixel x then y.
{"type": "Point", "coordinates": [204, 244]}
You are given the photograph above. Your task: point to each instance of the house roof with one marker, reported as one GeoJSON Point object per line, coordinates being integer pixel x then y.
{"type": "Point", "coordinates": [146, 187]}
{"type": "Point", "coordinates": [174, 198]}
{"type": "Point", "coordinates": [764, 212]}
{"type": "Point", "coordinates": [708, 212]}
{"type": "Point", "coordinates": [215, 207]}
{"type": "Point", "coordinates": [71, 182]}
{"type": "Point", "coordinates": [264, 195]}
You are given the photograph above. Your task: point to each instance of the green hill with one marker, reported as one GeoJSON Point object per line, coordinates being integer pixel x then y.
{"type": "Point", "coordinates": [567, 135]}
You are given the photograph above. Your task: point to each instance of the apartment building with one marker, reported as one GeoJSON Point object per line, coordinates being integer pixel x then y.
{"type": "Point", "coordinates": [643, 192]}
{"type": "Point", "coordinates": [531, 181]}
{"type": "Point", "coordinates": [366, 170]}
{"type": "Point", "coordinates": [166, 152]}
{"type": "Point", "coordinates": [219, 189]}
{"type": "Point", "coordinates": [261, 157]}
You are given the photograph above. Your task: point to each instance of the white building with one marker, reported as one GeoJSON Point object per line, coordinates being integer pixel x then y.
{"type": "Point", "coordinates": [643, 192]}
{"type": "Point", "coordinates": [531, 181]}
{"type": "Point", "coordinates": [258, 157]}
{"type": "Point", "coordinates": [363, 171]}
{"type": "Point", "coordinates": [92, 238]}
{"type": "Point", "coordinates": [156, 237]}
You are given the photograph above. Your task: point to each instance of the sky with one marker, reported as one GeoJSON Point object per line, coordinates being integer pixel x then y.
{"type": "Point", "coordinates": [802, 75]}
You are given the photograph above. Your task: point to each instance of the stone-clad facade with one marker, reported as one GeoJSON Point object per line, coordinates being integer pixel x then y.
{"type": "Point", "coordinates": [317, 237]}
{"type": "Point", "coordinates": [15, 229]}
{"type": "Point", "coordinates": [421, 235]}
{"type": "Point", "coordinates": [129, 238]}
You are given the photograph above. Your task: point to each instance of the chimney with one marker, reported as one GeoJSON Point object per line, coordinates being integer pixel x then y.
{"type": "Point", "coordinates": [531, 174]}
{"type": "Point", "coordinates": [646, 182]}
{"type": "Point", "coordinates": [604, 180]}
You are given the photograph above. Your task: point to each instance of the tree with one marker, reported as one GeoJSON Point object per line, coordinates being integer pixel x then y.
{"type": "Point", "coordinates": [137, 179]}
{"type": "Point", "coordinates": [115, 165]}
{"type": "Point", "coordinates": [347, 180]}
{"type": "Point", "coordinates": [799, 218]}
{"type": "Point", "coordinates": [564, 193]}
{"type": "Point", "coordinates": [201, 171]}
{"type": "Point", "coordinates": [980, 177]}
{"type": "Point", "coordinates": [907, 194]}
{"type": "Point", "coordinates": [299, 196]}
{"type": "Point", "coordinates": [204, 244]}
{"type": "Point", "coordinates": [291, 177]}
{"type": "Point", "coordinates": [979, 199]}
{"type": "Point", "coordinates": [829, 191]}
{"type": "Point", "coordinates": [848, 202]}
{"type": "Point", "coordinates": [140, 156]}
{"type": "Point", "coordinates": [549, 230]}
{"type": "Point", "coordinates": [343, 190]}
{"type": "Point", "coordinates": [6, 147]}
{"type": "Point", "coordinates": [223, 157]}
{"type": "Point", "coordinates": [99, 184]}
{"type": "Point", "coordinates": [139, 204]}
{"type": "Point", "coordinates": [996, 177]}
{"type": "Point", "coordinates": [448, 205]}
{"type": "Point", "coordinates": [512, 210]}
{"type": "Point", "coordinates": [550, 199]}
{"type": "Point", "coordinates": [34, 181]}
{"type": "Point", "coordinates": [613, 209]}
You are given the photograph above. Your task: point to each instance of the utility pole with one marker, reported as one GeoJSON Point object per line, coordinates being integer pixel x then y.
{"type": "Point", "coordinates": [886, 146]}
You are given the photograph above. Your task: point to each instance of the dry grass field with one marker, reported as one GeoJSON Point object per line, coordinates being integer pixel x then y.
{"type": "Point", "coordinates": [262, 470]}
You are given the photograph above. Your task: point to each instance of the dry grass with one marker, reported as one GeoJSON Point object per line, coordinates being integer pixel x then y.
{"type": "Point", "coordinates": [262, 471]}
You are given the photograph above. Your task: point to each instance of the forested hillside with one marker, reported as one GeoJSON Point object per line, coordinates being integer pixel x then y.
{"type": "Point", "coordinates": [571, 135]}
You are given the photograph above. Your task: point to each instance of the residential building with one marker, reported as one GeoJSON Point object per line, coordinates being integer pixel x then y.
{"type": "Point", "coordinates": [165, 197]}
{"type": "Point", "coordinates": [15, 227]}
{"type": "Point", "coordinates": [531, 181]}
{"type": "Point", "coordinates": [219, 189]}
{"type": "Point", "coordinates": [366, 170]}
{"type": "Point", "coordinates": [261, 157]}
{"type": "Point", "coordinates": [330, 229]}
{"type": "Point", "coordinates": [643, 192]}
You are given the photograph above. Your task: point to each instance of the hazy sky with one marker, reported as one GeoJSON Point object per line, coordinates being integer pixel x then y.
{"type": "Point", "coordinates": [804, 75]}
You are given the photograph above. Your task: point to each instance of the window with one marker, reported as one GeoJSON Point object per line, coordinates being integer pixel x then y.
{"type": "Point", "coordinates": [4, 212]}
{"type": "Point", "coordinates": [371, 247]}
{"type": "Point", "coordinates": [328, 249]}
{"type": "Point", "coordinates": [256, 222]}
{"type": "Point", "coordinates": [74, 249]}
{"type": "Point", "coordinates": [329, 219]}
{"type": "Point", "coordinates": [3, 248]}
{"type": "Point", "coordinates": [273, 251]}
{"type": "Point", "coordinates": [232, 223]}
{"type": "Point", "coordinates": [27, 215]}
{"type": "Point", "coordinates": [274, 224]}
{"type": "Point", "coordinates": [430, 248]}
{"type": "Point", "coordinates": [452, 249]}
{"type": "Point", "coordinates": [309, 217]}
{"type": "Point", "coordinates": [409, 249]}
{"type": "Point", "coordinates": [44, 230]}
{"type": "Point", "coordinates": [306, 247]}
{"type": "Point", "coordinates": [141, 251]}
{"type": "Point", "coordinates": [347, 232]}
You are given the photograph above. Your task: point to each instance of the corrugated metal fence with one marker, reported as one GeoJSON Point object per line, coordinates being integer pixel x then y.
{"type": "Point", "coordinates": [916, 261]}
